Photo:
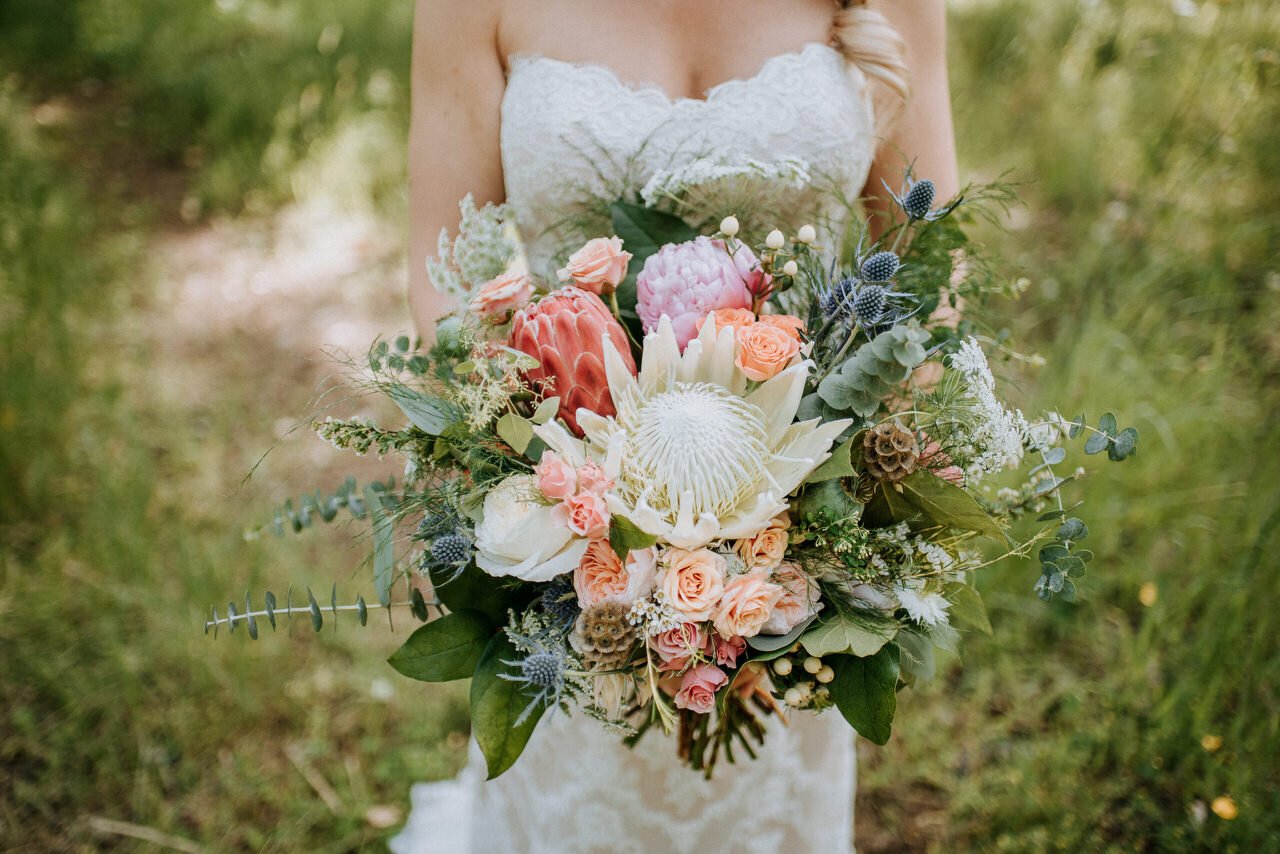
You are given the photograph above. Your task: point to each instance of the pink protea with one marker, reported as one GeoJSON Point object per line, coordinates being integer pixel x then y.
{"type": "Point", "coordinates": [686, 281]}
{"type": "Point", "coordinates": [565, 333]}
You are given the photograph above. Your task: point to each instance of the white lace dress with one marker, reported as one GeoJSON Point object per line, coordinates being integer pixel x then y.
{"type": "Point", "coordinates": [571, 133]}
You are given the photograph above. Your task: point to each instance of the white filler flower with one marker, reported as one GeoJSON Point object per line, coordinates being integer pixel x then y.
{"type": "Point", "coordinates": [519, 537]}
{"type": "Point", "coordinates": [696, 457]}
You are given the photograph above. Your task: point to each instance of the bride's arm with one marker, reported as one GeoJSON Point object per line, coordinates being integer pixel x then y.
{"type": "Point", "coordinates": [457, 84]}
{"type": "Point", "coordinates": [923, 130]}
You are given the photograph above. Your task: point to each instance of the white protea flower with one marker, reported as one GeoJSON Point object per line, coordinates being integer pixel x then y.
{"type": "Point", "coordinates": [695, 456]}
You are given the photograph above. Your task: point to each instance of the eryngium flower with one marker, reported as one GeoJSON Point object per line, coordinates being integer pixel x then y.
{"type": "Point", "coordinates": [693, 456]}
{"type": "Point", "coordinates": [869, 305]}
{"type": "Point", "coordinates": [564, 332]}
{"type": "Point", "coordinates": [919, 199]}
{"type": "Point", "coordinates": [451, 550]}
{"type": "Point", "coordinates": [880, 267]}
{"type": "Point", "coordinates": [686, 281]}
{"type": "Point", "coordinates": [837, 301]}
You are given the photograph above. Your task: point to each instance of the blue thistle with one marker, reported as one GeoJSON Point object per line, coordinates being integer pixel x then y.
{"type": "Point", "coordinates": [560, 603]}
{"type": "Point", "coordinates": [869, 305]}
{"type": "Point", "coordinates": [880, 267]}
{"type": "Point", "coordinates": [835, 302]}
{"type": "Point", "coordinates": [542, 674]}
{"type": "Point", "coordinates": [451, 550]}
{"type": "Point", "coordinates": [916, 199]}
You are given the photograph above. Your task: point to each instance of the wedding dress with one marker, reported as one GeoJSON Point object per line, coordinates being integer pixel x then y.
{"type": "Point", "coordinates": [572, 132]}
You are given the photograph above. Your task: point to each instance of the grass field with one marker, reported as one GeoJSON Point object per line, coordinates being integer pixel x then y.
{"type": "Point", "coordinates": [195, 199]}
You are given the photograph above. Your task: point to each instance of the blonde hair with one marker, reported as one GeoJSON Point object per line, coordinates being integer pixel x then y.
{"type": "Point", "coordinates": [869, 41]}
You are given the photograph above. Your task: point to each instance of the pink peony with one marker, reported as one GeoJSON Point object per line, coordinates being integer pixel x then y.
{"type": "Point", "coordinates": [687, 281]}
{"type": "Point", "coordinates": [676, 647]}
{"type": "Point", "coordinates": [556, 478]}
{"type": "Point", "coordinates": [698, 688]}
{"type": "Point", "coordinates": [599, 266]}
{"type": "Point", "coordinates": [565, 333]}
{"type": "Point", "coordinates": [585, 514]}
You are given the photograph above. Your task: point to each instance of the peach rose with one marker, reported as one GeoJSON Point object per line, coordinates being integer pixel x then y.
{"type": "Point", "coordinates": [789, 324]}
{"type": "Point", "coordinates": [764, 350]}
{"type": "Point", "coordinates": [556, 478]}
{"type": "Point", "coordinates": [599, 266]}
{"type": "Point", "coordinates": [766, 549]}
{"type": "Point", "coordinates": [728, 650]}
{"type": "Point", "coordinates": [693, 581]}
{"type": "Point", "coordinates": [747, 603]}
{"type": "Point", "coordinates": [736, 319]}
{"type": "Point", "coordinates": [801, 599]}
{"type": "Point", "coordinates": [586, 514]}
{"type": "Point", "coordinates": [677, 647]}
{"type": "Point", "coordinates": [591, 478]}
{"type": "Point", "coordinates": [698, 688]}
{"type": "Point", "coordinates": [499, 297]}
{"type": "Point", "coordinates": [602, 577]}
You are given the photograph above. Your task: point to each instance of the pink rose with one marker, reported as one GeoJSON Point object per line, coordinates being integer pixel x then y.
{"type": "Point", "coordinates": [586, 514]}
{"type": "Point", "coordinates": [748, 601]}
{"type": "Point", "coordinates": [766, 549]}
{"type": "Point", "coordinates": [693, 581]}
{"type": "Point", "coordinates": [676, 647]}
{"type": "Point", "coordinates": [591, 478]}
{"type": "Point", "coordinates": [764, 350]}
{"type": "Point", "coordinates": [698, 688]}
{"type": "Point", "coordinates": [599, 266]}
{"type": "Point", "coordinates": [499, 297]}
{"type": "Point", "coordinates": [602, 577]}
{"type": "Point", "coordinates": [801, 599]}
{"type": "Point", "coordinates": [728, 650]}
{"type": "Point", "coordinates": [556, 478]}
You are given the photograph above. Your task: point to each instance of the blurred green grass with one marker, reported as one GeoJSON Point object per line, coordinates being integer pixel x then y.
{"type": "Point", "coordinates": [1146, 131]}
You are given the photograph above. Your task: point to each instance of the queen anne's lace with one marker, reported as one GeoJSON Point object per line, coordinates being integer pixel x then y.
{"type": "Point", "coordinates": [570, 131]}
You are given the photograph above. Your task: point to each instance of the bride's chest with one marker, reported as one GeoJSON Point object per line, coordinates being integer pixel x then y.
{"type": "Point", "coordinates": [569, 124]}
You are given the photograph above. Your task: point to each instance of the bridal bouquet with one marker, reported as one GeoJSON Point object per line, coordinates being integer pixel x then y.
{"type": "Point", "coordinates": [697, 479]}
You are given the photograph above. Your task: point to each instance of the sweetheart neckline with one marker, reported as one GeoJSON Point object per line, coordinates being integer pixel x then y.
{"type": "Point", "coordinates": [521, 59]}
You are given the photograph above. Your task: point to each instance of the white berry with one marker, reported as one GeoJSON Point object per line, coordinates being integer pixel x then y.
{"type": "Point", "coordinates": [825, 675]}
{"type": "Point", "coordinates": [812, 665]}
{"type": "Point", "coordinates": [790, 268]}
{"type": "Point", "coordinates": [782, 666]}
{"type": "Point", "coordinates": [807, 234]}
{"type": "Point", "coordinates": [793, 697]}
{"type": "Point", "coordinates": [775, 240]}
{"type": "Point", "coordinates": [729, 226]}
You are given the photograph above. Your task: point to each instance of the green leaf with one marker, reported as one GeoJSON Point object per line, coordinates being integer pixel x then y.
{"type": "Point", "coordinates": [778, 643]}
{"type": "Point", "coordinates": [1107, 424]}
{"type": "Point", "coordinates": [445, 649]}
{"type": "Point", "coordinates": [496, 704]}
{"type": "Point", "coordinates": [859, 635]}
{"type": "Point", "coordinates": [840, 464]}
{"type": "Point", "coordinates": [1076, 426]}
{"type": "Point", "coordinates": [865, 692]}
{"type": "Point", "coordinates": [916, 659]}
{"type": "Point", "coordinates": [473, 589]}
{"type": "Point", "coordinates": [967, 606]}
{"type": "Point", "coordinates": [384, 559]}
{"type": "Point", "coordinates": [1051, 553]}
{"type": "Point", "coordinates": [1073, 529]}
{"type": "Point", "coordinates": [546, 410]}
{"type": "Point", "coordinates": [944, 503]}
{"type": "Point", "coordinates": [643, 231]}
{"type": "Point", "coordinates": [1125, 444]}
{"type": "Point", "coordinates": [515, 431]}
{"type": "Point", "coordinates": [1053, 456]}
{"type": "Point", "coordinates": [317, 620]}
{"type": "Point", "coordinates": [431, 415]}
{"type": "Point", "coordinates": [625, 537]}
{"type": "Point", "coordinates": [1097, 443]}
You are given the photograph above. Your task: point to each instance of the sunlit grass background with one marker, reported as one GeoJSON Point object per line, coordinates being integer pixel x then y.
{"type": "Point", "coordinates": [197, 197]}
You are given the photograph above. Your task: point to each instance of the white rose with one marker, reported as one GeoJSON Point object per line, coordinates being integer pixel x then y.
{"type": "Point", "coordinates": [518, 536]}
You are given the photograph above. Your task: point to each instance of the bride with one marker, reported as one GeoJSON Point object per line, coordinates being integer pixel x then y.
{"type": "Point", "coordinates": [533, 102]}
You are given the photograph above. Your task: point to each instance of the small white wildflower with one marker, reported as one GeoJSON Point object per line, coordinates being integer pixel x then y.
{"type": "Point", "coordinates": [928, 609]}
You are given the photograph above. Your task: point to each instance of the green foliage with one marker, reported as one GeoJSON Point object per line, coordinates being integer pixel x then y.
{"type": "Point", "coordinates": [643, 231]}
{"type": "Point", "coordinates": [854, 632]}
{"type": "Point", "coordinates": [318, 505]}
{"type": "Point", "coordinates": [865, 691]}
{"type": "Point", "coordinates": [445, 649]}
{"type": "Point", "coordinates": [471, 588]}
{"type": "Point", "coordinates": [429, 414]}
{"type": "Point", "coordinates": [626, 537]}
{"type": "Point", "coordinates": [496, 705]}
{"type": "Point", "coordinates": [860, 384]}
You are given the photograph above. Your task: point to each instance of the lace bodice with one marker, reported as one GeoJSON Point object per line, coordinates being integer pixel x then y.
{"type": "Point", "coordinates": [788, 143]}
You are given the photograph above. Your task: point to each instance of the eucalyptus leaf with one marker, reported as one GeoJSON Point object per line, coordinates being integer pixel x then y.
{"type": "Point", "coordinates": [384, 559]}
{"type": "Point", "coordinates": [515, 431]}
{"type": "Point", "coordinates": [431, 415]}
{"type": "Point", "coordinates": [1097, 443]}
{"type": "Point", "coordinates": [546, 410]}
{"type": "Point", "coordinates": [849, 633]}
{"type": "Point", "coordinates": [445, 649]}
{"type": "Point", "coordinates": [865, 692]}
{"type": "Point", "coordinates": [496, 704]}
{"type": "Point", "coordinates": [1125, 444]}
